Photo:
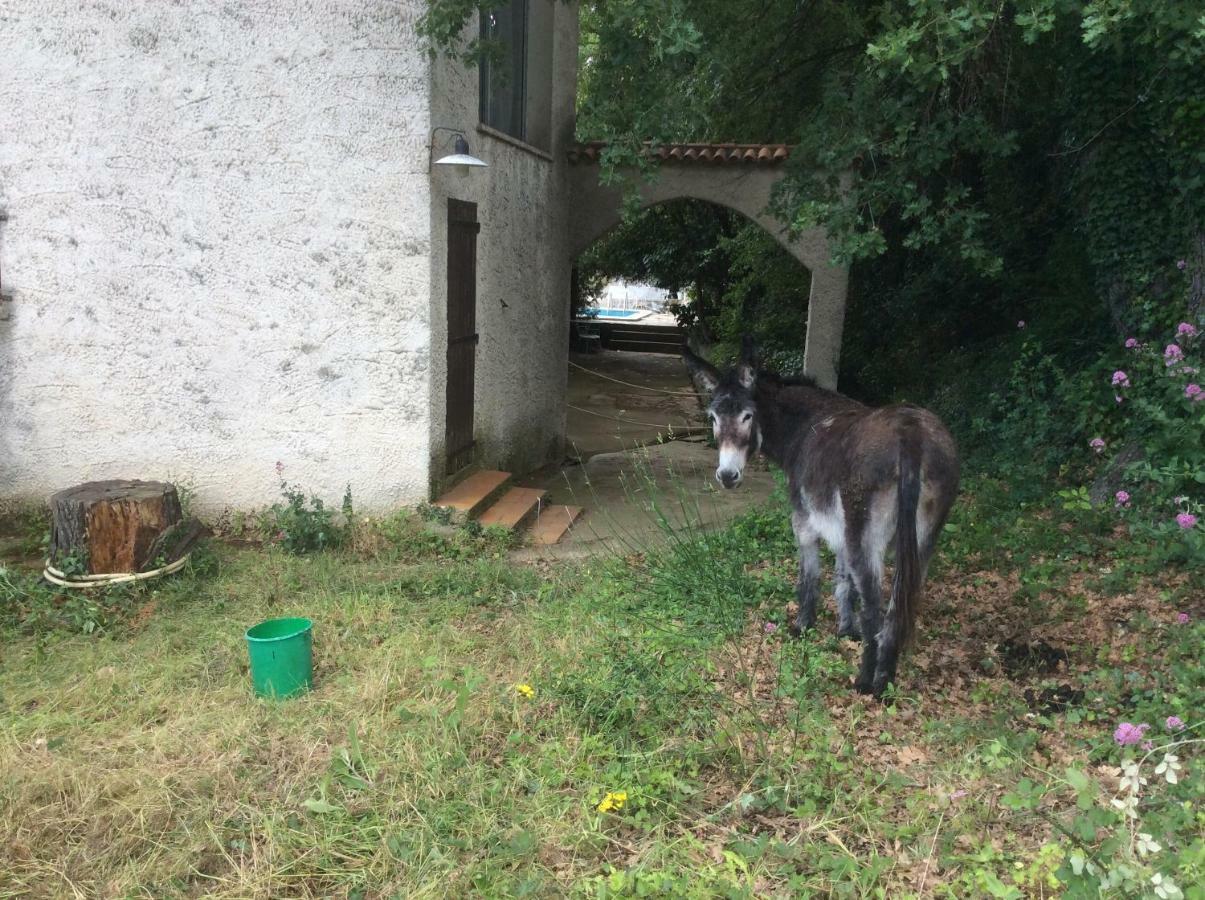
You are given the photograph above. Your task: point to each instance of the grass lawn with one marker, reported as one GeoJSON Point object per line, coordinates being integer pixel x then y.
{"type": "Point", "coordinates": [134, 761]}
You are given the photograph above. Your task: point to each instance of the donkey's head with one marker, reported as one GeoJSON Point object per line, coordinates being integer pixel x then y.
{"type": "Point", "coordinates": [732, 410]}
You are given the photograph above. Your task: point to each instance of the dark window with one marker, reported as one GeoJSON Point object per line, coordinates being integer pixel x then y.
{"type": "Point", "coordinates": [504, 71]}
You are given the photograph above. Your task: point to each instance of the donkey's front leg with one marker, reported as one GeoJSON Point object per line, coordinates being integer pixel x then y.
{"type": "Point", "coordinates": [807, 588]}
{"type": "Point", "coordinates": [847, 627]}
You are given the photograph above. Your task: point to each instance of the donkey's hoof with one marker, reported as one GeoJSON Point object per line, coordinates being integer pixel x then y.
{"type": "Point", "coordinates": [864, 686]}
{"type": "Point", "coordinates": [852, 633]}
{"type": "Point", "coordinates": [797, 629]}
{"type": "Point", "coordinates": [879, 689]}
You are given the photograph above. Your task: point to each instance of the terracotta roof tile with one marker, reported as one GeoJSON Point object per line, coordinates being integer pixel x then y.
{"type": "Point", "coordinates": [712, 154]}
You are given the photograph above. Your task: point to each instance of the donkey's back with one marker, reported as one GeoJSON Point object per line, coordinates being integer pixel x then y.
{"type": "Point", "coordinates": [859, 452]}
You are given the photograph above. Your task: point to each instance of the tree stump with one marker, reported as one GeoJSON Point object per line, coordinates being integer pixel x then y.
{"type": "Point", "coordinates": [118, 526]}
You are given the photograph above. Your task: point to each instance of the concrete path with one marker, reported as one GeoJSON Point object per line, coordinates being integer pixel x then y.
{"type": "Point", "coordinates": [632, 482]}
{"type": "Point", "coordinates": [634, 498]}
{"type": "Point", "coordinates": [668, 400]}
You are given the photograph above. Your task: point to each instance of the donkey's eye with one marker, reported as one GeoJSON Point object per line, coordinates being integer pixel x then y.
{"type": "Point", "coordinates": [747, 417]}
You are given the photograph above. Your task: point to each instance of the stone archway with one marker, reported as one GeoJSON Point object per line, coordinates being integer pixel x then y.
{"type": "Point", "coordinates": [740, 177]}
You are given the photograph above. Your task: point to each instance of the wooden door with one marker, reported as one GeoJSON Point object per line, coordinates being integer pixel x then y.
{"type": "Point", "coordinates": [462, 330]}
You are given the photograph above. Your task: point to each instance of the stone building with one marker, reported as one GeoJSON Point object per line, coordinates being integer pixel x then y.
{"type": "Point", "coordinates": [228, 241]}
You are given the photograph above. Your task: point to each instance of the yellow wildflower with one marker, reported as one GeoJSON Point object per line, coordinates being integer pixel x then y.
{"type": "Point", "coordinates": [525, 690]}
{"type": "Point", "coordinates": [613, 801]}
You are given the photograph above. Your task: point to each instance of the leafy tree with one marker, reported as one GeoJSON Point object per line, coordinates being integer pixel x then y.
{"type": "Point", "coordinates": [976, 161]}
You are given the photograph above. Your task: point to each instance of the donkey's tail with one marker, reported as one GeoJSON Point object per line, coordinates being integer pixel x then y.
{"type": "Point", "coordinates": [906, 589]}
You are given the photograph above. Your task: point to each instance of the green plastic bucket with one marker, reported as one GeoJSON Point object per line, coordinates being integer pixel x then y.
{"type": "Point", "coordinates": [282, 660]}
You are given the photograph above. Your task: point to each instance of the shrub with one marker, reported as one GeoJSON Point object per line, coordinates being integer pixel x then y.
{"type": "Point", "coordinates": [301, 527]}
{"type": "Point", "coordinates": [1158, 404]}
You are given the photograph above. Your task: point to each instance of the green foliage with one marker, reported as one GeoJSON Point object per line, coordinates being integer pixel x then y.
{"type": "Point", "coordinates": [978, 162]}
{"type": "Point", "coordinates": [31, 605]}
{"type": "Point", "coordinates": [1159, 406]}
{"type": "Point", "coordinates": [301, 527]}
{"type": "Point", "coordinates": [475, 715]}
{"type": "Point", "coordinates": [406, 536]}
{"type": "Point", "coordinates": [1057, 427]}
{"type": "Point", "coordinates": [1034, 421]}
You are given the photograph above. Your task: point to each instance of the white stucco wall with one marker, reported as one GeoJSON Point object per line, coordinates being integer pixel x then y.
{"type": "Point", "coordinates": [523, 260]}
{"type": "Point", "coordinates": [218, 248]}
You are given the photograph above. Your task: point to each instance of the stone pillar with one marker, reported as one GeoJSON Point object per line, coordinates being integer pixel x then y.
{"type": "Point", "coordinates": [826, 318]}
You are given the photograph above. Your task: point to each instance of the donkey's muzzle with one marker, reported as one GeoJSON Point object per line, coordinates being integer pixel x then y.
{"type": "Point", "coordinates": [728, 477]}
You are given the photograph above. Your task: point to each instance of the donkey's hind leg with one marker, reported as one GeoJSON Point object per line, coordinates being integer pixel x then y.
{"type": "Point", "coordinates": [867, 572]}
{"type": "Point", "coordinates": [808, 587]}
{"type": "Point", "coordinates": [847, 627]}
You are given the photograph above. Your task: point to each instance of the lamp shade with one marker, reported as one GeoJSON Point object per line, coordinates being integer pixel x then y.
{"type": "Point", "coordinates": [461, 157]}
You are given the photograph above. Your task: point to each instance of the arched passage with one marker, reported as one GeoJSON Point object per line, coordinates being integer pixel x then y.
{"type": "Point", "coordinates": [744, 185]}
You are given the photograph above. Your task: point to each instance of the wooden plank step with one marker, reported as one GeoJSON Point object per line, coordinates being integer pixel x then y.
{"type": "Point", "coordinates": [514, 508]}
{"type": "Point", "coordinates": [553, 522]}
{"type": "Point", "coordinates": [471, 495]}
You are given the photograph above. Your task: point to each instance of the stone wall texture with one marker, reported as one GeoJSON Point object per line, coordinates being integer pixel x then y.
{"type": "Point", "coordinates": [523, 268]}
{"type": "Point", "coordinates": [219, 248]}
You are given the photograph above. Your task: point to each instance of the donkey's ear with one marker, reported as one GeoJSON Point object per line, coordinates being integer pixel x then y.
{"type": "Point", "coordinates": [746, 368]}
{"type": "Point", "coordinates": [704, 373]}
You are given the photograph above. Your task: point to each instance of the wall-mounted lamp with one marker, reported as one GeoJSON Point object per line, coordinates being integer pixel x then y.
{"type": "Point", "coordinates": [459, 157]}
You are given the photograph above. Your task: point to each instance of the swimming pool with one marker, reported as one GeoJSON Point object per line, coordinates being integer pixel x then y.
{"type": "Point", "coordinates": [603, 312]}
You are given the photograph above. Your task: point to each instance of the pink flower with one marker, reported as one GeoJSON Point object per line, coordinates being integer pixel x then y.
{"type": "Point", "coordinates": [1117, 397]}
{"type": "Point", "coordinates": [1186, 520]}
{"type": "Point", "coordinates": [280, 468]}
{"type": "Point", "coordinates": [1193, 392]}
{"type": "Point", "coordinates": [1131, 343]}
{"type": "Point", "coordinates": [1097, 445]}
{"type": "Point", "coordinates": [958, 795]}
{"type": "Point", "coordinates": [1172, 354]}
{"type": "Point", "coordinates": [1121, 379]}
{"type": "Point", "coordinates": [1174, 723]}
{"type": "Point", "coordinates": [1148, 746]}
{"type": "Point", "coordinates": [1181, 618]}
{"type": "Point", "coordinates": [1128, 734]}
{"type": "Point", "coordinates": [1186, 329]}
{"type": "Point", "coordinates": [1181, 265]}
{"type": "Point", "coordinates": [769, 628]}
{"type": "Point", "coordinates": [1021, 324]}
{"type": "Point", "coordinates": [1122, 499]}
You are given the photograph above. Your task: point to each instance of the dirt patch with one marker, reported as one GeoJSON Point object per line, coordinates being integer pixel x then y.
{"type": "Point", "coordinates": [1021, 659]}
{"type": "Point", "coordinates": [972, 663]}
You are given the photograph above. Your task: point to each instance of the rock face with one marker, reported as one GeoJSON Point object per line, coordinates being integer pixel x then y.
{"type": "Point", "coordinates": [114, 526]}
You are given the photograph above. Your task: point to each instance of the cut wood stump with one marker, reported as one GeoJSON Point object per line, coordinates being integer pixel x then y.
{"type": "Point", "coordinates": [119, 526]}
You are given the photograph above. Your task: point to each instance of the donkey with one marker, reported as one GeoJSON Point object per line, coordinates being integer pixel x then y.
{"type": "Point", "coordinates": [857, 476]}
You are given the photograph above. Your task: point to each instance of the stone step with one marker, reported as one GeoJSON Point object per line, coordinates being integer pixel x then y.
{"type": "Point", "coordinates": [644, 347]}
{"type": "Point", "coordinates": [637, 327]}
{"type": "Point", "coordinates": [552, 523]}
{"type": "Point", "coordinates": [663, 333]}
{"type": "Point", "coordinates": [473, 494]}
{"type": "Point", "coordinates": [514, 508]}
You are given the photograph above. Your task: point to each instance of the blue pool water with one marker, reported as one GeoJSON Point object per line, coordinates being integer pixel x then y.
{"type": "Point", "coordinates": [604, 313]}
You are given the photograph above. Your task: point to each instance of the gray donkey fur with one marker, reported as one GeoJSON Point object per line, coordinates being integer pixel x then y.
{"type": "Point", "coordinates": [859, 477]}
